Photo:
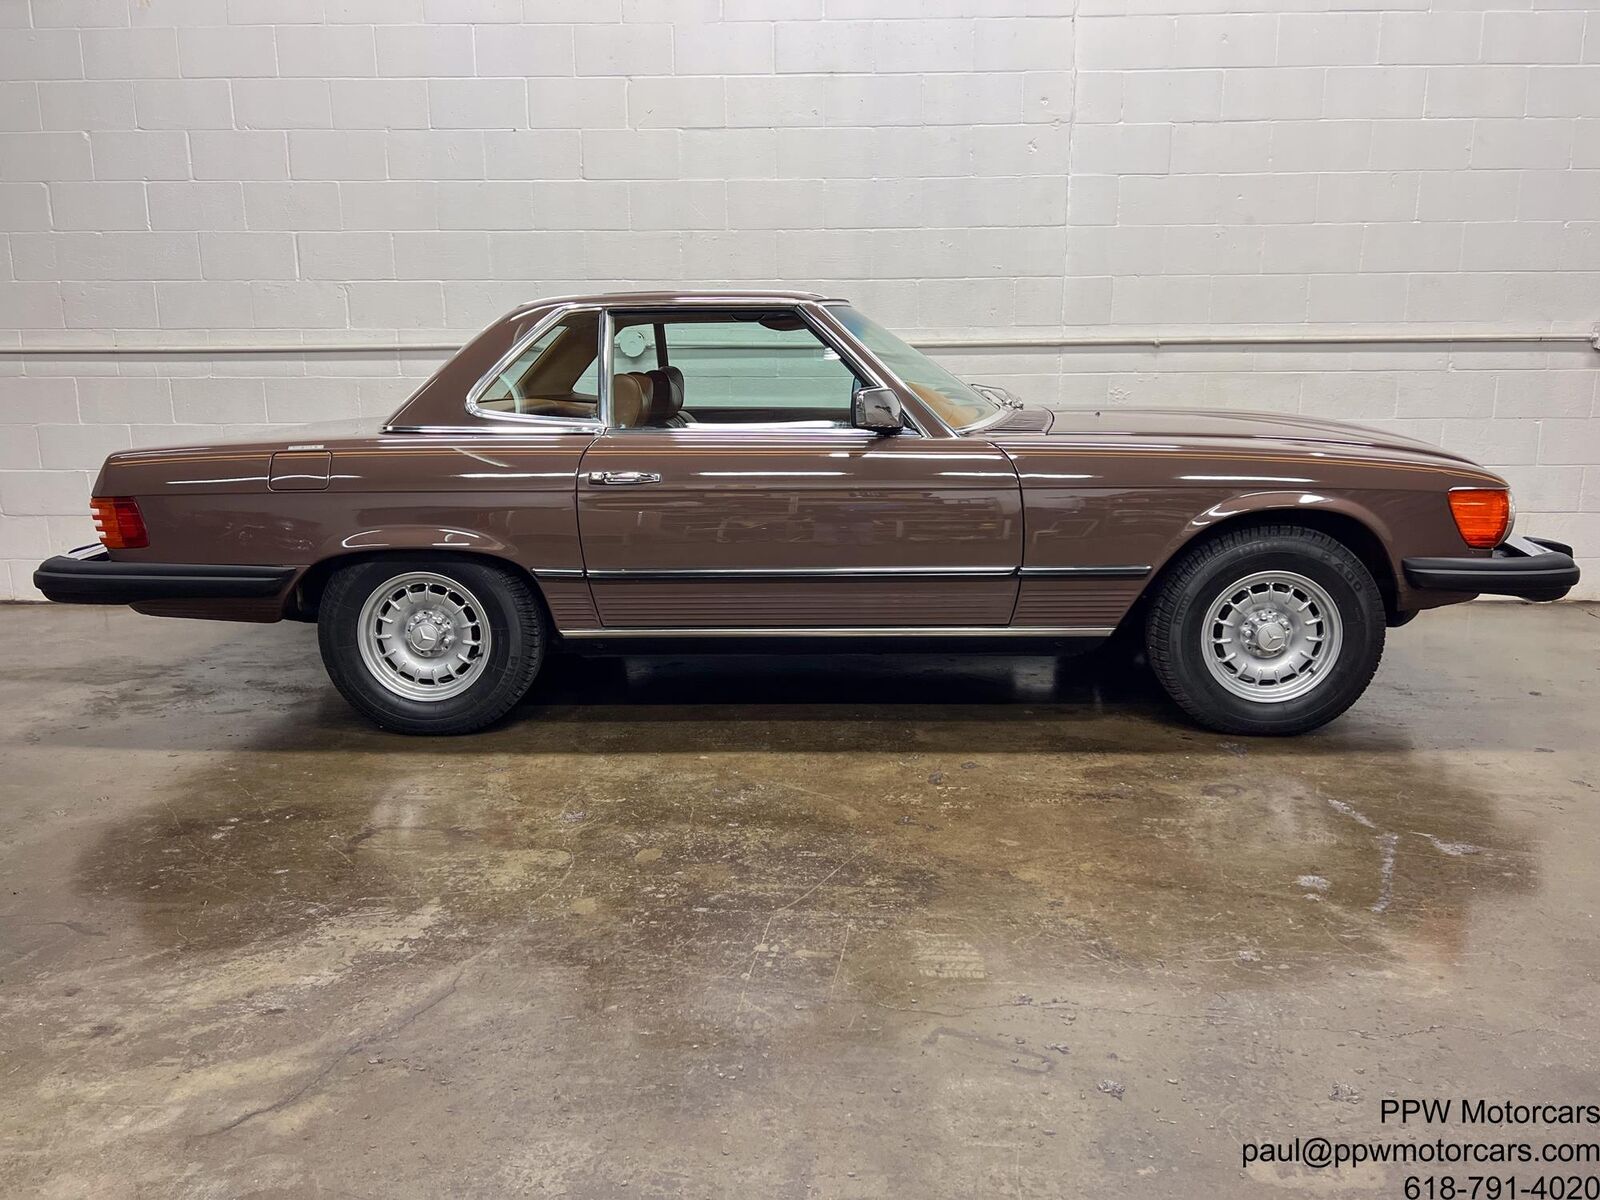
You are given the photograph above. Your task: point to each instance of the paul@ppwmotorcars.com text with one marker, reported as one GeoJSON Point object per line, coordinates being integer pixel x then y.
{"type": "Point", "coordinates": [1455, 1166]}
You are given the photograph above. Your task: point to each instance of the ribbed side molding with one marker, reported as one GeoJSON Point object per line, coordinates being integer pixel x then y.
{"type": "Point", "coordinates": [571, 603]}
{"type": "Point", "coordinates": [1129, 572]}
{"type": "Point", "coordinates": [746, 574]}
{"type": "Point", "coordinates": [1069, 601]}
{"type": "Point", "coordinates": [787, 603]}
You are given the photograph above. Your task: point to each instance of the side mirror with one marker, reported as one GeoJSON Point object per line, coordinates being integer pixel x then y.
{"type": "Point", "coordinates": [877, 409]}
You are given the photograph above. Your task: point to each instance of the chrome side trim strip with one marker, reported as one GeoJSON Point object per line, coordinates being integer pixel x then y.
{"type": "Point", "coordinates": [1129, 572]}
{"type": "Point", "coordinates": [557, 572]}
{"type": "Point", "coordinates": [635, 574]}
{"type": "Point", "coordinates": [681, 574]}
{"type": "Point", "coordinates": [997, 631]}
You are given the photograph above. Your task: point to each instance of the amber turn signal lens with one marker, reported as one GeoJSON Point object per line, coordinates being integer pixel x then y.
{"type": "Point", "coordinates": [1483, 515]}
{"type": "Point", "coordinates": [119, 523]}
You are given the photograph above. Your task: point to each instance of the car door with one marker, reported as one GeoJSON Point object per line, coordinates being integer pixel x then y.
{"type": "Point", "coordinates": [730, 492]}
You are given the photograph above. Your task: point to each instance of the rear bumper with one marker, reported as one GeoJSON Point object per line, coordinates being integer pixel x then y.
{"type": "Point", "coordinates": [88, 576]}
{"type": "Point", "coordinates": [1532, 568]}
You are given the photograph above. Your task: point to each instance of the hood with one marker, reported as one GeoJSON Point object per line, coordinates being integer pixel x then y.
{"type": "Point", "coordinates": [1192, 424]}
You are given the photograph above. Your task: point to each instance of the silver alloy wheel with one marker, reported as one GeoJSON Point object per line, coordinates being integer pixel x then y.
{"type": "Point", "coordinates": [1272, 636]}
{"type": "Point", "coordinates": [423, 636]}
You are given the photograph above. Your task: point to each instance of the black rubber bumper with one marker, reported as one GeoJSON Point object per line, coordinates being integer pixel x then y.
{"type": "Point", "coordinates": [90, 577]}
{"type": "Point", "coordinates": [1529, 567]}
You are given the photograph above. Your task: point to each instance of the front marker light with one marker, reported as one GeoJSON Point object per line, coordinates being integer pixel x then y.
{"type": "Point", "coordinates": [1483, 515]}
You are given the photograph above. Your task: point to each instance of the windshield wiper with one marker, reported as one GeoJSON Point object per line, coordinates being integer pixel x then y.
{"type": "Point", "coordinates": [997, 394]}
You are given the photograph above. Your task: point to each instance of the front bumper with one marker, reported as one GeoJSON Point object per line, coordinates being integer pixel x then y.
{"type": "Point", "coordinates": [1529, 567]}
{"type": "Point", "coordinates": [88, 576]}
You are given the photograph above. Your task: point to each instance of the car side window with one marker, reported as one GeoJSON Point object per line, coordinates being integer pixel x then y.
{"type": "Point", "coordinates": [555, 375]}
{"type": "Point", "coordinates": [726, 369]}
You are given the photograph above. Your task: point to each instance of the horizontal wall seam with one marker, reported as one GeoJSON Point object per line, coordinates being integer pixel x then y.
{"type": "Point", "coordinates": [1157, 341]}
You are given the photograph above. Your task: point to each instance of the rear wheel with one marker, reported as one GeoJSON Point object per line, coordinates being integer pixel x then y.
{"type": "Point", "coordinates": [431, 646]}
{"type": "Point", "coordinates": [1269, 630]}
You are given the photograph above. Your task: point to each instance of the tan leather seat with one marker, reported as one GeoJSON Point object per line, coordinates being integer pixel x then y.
{"type": "Point", "coordinates": [630, 399]}
{"type": "Point", "coordinates": [666, 396]}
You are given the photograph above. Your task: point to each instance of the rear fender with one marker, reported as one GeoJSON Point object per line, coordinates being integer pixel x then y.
{"type": "Point", "coordinates": [416, 537]}
{"type": "Point", "coordinates": [306, 594]}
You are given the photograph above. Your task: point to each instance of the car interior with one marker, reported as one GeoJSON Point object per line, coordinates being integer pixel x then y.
{"type": "Point", "coordinates": [555, 376]}
{"type": "Point", "coordinates": [736, 367]}
{"type": "Point", "coordinates": [744, 368]}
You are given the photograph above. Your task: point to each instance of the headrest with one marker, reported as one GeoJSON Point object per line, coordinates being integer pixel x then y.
{"type": "Point", "coordinates": [666, 394]}
{"type": "Point", "coordinates": [630, 399]}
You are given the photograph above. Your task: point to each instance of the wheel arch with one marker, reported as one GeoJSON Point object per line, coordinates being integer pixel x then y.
{"type": "Point", "coordinates": [305, 597]}
{"type": "Point", "coordinates": [1355, 527]}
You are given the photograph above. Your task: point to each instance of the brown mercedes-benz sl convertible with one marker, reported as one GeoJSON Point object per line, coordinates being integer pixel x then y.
{"type": "Point", "coordinates": [626, 471]}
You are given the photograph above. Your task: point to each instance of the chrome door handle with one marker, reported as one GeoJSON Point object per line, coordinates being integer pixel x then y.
{"type": "Point", "coordinates": [624, 478]}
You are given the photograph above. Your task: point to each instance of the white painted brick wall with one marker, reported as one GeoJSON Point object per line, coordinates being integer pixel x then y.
{"type": "Point", "coordinates": [240, 171]}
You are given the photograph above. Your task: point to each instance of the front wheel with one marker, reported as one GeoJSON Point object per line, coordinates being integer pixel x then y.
{"type": "Point", "coordinates": [431, 646]}
{"type": "Point", "coordinates": [1270, 630]}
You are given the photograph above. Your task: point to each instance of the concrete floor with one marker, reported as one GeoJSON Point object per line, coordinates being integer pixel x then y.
{"type": "Point", "coordinates": [750, 927]}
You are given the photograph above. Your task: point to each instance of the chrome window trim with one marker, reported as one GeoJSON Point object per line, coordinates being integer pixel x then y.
{"type": "Point", "coordinates": [867, 631]}
{"type": "Point", "coordinates": [668, 297]}
{"type": "Point", "coordinates": [588, 427]}
{"type": "Point", "coordinates": [765, 428]}
{"type": "Point", "coordinates": [815, 312]}
{"type": "Point", "coordinates": [986, 423]}
{"type": "Point", "coordinates": [539, 424]}
{"type": "Point", "coordinates": [607, 360]}
{"type": "Point", "coordinates": [534, 420]}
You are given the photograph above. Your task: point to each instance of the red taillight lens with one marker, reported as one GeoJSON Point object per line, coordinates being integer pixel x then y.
{"type": "Point", "coordinates": [118, 521]}
{"type": "Point", "coordinates": [1483, 515]}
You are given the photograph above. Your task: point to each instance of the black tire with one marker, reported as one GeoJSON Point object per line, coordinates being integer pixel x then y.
{"type": "Point", "coordinates": [1177, 641]}
{"type": "Point", "coordinates": [517, 642]}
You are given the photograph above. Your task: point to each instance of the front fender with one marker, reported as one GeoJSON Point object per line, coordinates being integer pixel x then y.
{"type": "Point", "coordinates": [1290, 503]}
{"type": "Point", "coordinates": [1297, 501]}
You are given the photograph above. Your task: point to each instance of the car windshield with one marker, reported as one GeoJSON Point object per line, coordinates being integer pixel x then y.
{"type": "Point", "coordinates": [958, 404]}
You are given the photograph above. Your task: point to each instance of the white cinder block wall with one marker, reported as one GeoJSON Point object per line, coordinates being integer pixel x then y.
{"type": "Point", "coordinates": [239, 172]}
